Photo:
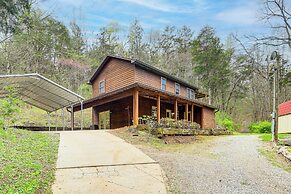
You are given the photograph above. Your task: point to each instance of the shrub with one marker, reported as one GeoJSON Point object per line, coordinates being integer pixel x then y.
{"type": "Point", "coordinates": [9, 106]}
{"type": "Point", "coordinates": [260, 127]}
{"type": "Point", "coordinates": [225, 121]}
{"type": "Point", "coordinates": [167, 123]}
{"type": "Point", "coordinates": [147, 122]}
{"type": "Point", "coordinates": [180, 124]}
{"type": "Point", "coordinates": [194, 125]}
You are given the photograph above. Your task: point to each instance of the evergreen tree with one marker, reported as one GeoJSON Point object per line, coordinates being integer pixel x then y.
{"type": "Point", "coordinates": [135, 44]}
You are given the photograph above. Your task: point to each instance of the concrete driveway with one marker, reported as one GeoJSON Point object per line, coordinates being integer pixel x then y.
{"type": "Point", "coordinates": [99, 162]}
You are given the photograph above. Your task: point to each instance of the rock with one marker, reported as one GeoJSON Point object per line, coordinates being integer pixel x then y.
{"type": "Point", "coordinates": [285, 153]}
{"type": "Point", "coordinates": [132, 130]}
{"type": "Point", "coordinates": [286, 142]}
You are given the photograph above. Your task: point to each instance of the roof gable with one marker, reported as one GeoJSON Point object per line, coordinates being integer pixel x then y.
{"type": "Point", "coordinates": [100, 68]}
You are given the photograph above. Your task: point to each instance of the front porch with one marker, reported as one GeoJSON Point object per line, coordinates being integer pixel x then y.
{"type": "Point", "coordinates": [124, 108]}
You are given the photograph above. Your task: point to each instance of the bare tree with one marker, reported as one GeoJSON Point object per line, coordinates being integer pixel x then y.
{"type": "Point", "coordinates": [277, 13]}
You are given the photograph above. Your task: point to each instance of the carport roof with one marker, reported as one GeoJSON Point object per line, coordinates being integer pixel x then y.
{"type": "Point", "coordinates": [39, 91]}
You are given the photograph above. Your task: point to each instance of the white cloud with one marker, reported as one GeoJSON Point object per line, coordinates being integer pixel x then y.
{"type": "Point", "coordinates": [157, 5]}
{"type": "Point", "coordinates": [241, 16]}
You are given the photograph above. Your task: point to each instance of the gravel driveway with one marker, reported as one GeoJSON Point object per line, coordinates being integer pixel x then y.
{"type": "Point", "coordinates": [228, 164]}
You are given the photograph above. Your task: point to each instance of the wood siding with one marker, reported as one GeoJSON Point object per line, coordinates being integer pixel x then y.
{"type": "Point", "coordinates": [148, 78]}
{"type": "Point", "coordinates": [118, 112]}
{"type": "Point", "coordinates": [208, 118]}
{"type": "Point", "coordinates": [117, 74]}
{"type": "Point", "coordinates": [284, 124]}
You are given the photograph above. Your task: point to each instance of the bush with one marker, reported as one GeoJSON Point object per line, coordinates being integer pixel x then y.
{"type": "Point", "coordinates": [180, 124]}
{"type": "Point", "coordinates": [147, 122]}
{"type": "Point", "coordinates": [260, 127]}
{"type": "Point", "coordinates": [225, 121]}
{"type": "Point", "coordinates": [9, 106]}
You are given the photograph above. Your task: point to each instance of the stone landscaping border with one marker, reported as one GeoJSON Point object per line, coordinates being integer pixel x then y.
{"type": "Point", "coordinates": [283, 151]}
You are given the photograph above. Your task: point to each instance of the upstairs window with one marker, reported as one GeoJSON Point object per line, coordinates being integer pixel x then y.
{"type": "Point", "coordinates": [190, 93]}
{"type": "Point", "coordinates": [102, 87]}
{"type": "Point", "coordinates": [177, 88]}
{"type": "Point", "coordinates": [163, 83]}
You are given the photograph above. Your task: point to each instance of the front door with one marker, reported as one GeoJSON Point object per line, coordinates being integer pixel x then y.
{"type": "Point", "coordinates": [104, 120]}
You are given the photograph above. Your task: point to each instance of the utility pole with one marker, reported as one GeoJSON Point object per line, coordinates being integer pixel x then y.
{"type": "Point", "coordinates": [275, 97]}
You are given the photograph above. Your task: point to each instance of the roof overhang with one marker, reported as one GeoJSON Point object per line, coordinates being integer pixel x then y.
{"type": "Point", "coordinates": [92, 102]}
{"type": "Point", "coordinates": [39, 91]}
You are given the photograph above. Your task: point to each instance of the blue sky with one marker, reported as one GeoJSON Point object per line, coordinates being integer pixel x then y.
{"type": "Point", "coordinates": [226, 16]}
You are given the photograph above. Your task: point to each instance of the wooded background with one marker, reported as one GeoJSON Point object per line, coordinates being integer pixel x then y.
{"type": "Point", "coordinates": [237, 72]}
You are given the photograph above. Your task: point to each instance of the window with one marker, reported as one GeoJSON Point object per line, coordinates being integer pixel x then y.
{"type": "Point", "coordinates": [177, 88]}
{"type": "Point", "coordinates": [163, 83]}
{"type": "Point", "coordinates": [102, 87]}
{"type": "Point", "coordinates": [190, 93]}
{"type": "Point", "coordinates": [168, 113]}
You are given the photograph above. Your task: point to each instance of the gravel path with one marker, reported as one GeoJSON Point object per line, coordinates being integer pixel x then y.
{"type": "Point", "coordinates": [229, 164]}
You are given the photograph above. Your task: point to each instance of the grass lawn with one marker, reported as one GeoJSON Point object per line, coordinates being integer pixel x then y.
{"type": "Point", "coordinates": [272, 156]}
{"type": "Point", "coordinates": [27, 161]}
{"type": "Point", "coordinates": [268, 136]}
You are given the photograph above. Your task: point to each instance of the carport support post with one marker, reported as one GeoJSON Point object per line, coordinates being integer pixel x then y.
{"type": "Point", "coordinates": [72, 117]}
{"type": "Point", "coordinates": [81, 114]}
{"type": "Point", "coordinates": [63, 115]}
{"type": "Point", "coordinates": [49, 121]}
{"type": "Point", "coordinates": [56, 122]}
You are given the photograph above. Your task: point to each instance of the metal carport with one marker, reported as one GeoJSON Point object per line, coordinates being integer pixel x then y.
{"type": "Point", "coordinates": [41, 92]}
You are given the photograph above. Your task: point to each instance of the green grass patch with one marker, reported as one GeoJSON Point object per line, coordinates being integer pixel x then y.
{"type": "Point", "coordinates": [244, 133]}
{"type": "Point", "coordinates": [268, 136]}
{"type": "Point", "coordinates": [275, 159]}
{"type": "Point", "coordinates": [27, 161]}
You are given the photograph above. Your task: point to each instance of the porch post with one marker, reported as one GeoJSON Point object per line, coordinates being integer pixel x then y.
{"type": "Point", "coordinates": [192, 113]}
{"type": "Point", "coordinates": [186, 112]}
{"type": "Point", "coordinates": [72, 117]}
{"type": "Point", "coordinates": [82, 114]}
{"type": "Point", "coordinates": [135, 107]}
{"type": "Point", "coordinates": [159, 108]}
{"type": "Point", "coordinates": [202, 117]}
{"type": "Point", "coordinates": [176, 110]}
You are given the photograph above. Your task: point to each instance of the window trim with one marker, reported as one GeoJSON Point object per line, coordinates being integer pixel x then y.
{"type": "Point", "coordinates": [193, 94]}
{"type": "Point", "coordinates": [190, 93]}
{"type": "Point", "coordinates": [163, 79]}
{"type": "Point", "coordinates": [100, 91]}
{"type": "Point", "coordinates": [177, 86]}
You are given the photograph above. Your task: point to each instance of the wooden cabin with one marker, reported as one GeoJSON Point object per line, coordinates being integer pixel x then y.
{"type": "Point", "coordinates": [125, 89]}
